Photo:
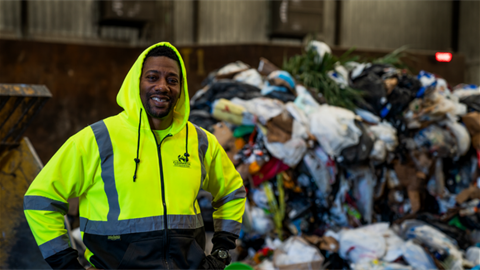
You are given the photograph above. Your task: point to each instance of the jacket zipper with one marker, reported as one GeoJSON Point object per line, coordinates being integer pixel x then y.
{"type": "Point", "coordinates": [165, 222]}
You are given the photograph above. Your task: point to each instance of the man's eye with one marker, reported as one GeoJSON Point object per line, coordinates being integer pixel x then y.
{"type": "Point", "coordinates": [173, 81]}
{"type": "Point", "coordinates": [151, 77]}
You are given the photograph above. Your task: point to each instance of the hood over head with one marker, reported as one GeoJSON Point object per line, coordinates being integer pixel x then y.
{"type": "Point", "coordinates": [129, 95]}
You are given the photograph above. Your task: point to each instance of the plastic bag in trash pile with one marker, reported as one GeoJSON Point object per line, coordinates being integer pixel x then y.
{"type": "Point", "coordinates": [379, 265]}
{"type": "Point", "coordinates": [226, 89]}
{"type": "Point", "coordinates": [431, 237]}
{"type": "Point", "coordinates": [473, 255]}
{"type": "Point", "coordinates": [464, 90]}
{"type": "Point", "coordinates": [361, 245]}
{"type": "Point", "coordinates": [416, 256]}
{"type": "Point", "coordinates": [296, 253]}
{"type": "Point", "coordinates": [250, 76]}
{"type": "Point", "coordinates": [231, 69]}
{"type": "Point", "coordinates": [435, 139]}
{"type": "Point", "coordinates": [334, 128]}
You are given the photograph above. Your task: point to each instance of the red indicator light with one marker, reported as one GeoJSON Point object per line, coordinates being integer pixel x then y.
{"type": "Point", "coordinates": [443, 56]}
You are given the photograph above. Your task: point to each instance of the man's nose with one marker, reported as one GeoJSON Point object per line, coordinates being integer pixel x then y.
{"type": "Point", "coordinates": [161, 85]}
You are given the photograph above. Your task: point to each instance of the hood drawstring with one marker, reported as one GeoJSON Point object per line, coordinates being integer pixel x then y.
{"type": "Point", "coordinates": [186, 146]}
{"type": "Point", "coordinates": [137, 160]}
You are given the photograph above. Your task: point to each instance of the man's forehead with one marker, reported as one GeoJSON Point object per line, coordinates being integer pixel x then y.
{"type": "Point", "coordinates": [153, 62]}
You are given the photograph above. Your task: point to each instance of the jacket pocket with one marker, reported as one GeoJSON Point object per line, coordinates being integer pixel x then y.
{"type": "Point", "coordinates": [184, 252]}
{"type": "Point", "coordinates": [144, 254]}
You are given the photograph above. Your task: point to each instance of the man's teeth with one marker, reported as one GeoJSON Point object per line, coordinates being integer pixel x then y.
{"type": "Point", "coordinates": [159, 99]}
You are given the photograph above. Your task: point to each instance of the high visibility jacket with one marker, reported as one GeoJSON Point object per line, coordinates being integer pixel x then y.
{"type": "Point", "coordinates": [151, 220]}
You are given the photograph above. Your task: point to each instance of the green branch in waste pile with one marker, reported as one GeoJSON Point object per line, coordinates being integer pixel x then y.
{"type": "Point", "coordinates": [395, 59]}
{"type": "Point", "coordinates": [277, 211]}
{"type": "Point", "coordinates": [312, 73]}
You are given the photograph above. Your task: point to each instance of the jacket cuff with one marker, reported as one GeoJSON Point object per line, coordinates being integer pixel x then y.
{"type": "Point", "coordinates": [65, 259]}
{"type": "Point", "coordinates": [224, 240]}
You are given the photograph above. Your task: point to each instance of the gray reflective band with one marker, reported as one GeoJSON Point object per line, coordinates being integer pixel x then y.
{"type": "Point", "coordinates": [239, 193]}
{"type": "Point", "coordinates": [108, 175]}
{"type": "Point", "coordinates": [139, 225]}
{"type": "Point", "coordinates": [202, 150]}
{"type": "Point", "coordinates": [227, 225]}
{"type": "Point", "coordinates": [54, 246]}
{"type": "Point", "coordinates": [44, 204]}
{"type": "Point", "coordinates": [185, 221]}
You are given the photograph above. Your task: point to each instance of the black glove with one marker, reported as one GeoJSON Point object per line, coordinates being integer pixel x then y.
{"type": "Point", "coordinates": [210, 262]}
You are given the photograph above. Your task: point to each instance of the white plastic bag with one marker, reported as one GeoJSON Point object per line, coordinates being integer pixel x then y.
{"type": "Point", "coordinates": [301, 125]}
{"type": "Point", "coordinates": [361, 245]}
{"type": "Point", "coordinates": [334, 128]}
{"type": "Point", "coordinates": [320, 47]}
{"type": "Point", "coordinates": [251, 77]}
{"type": "Point", "coordinates": [291, 152]}
{"type": "Point", "coordinates": [380, 266]}
{"type": "Point", "coordinates": [473, 255]}
{"type": "Point", "coordinates": [461, 135]}
{"type": "Point", "coordinates": [322, 169]}
{"type": "Point", "coordinates": [416, 257]}
{"type": "Point", "coordinates": [296, 250]}
{"type": "Point", "coordinates": [263, 108]}
{"type": "Point", "coordinates": [386, 133]}
{"type": "Point", "coordinates": [262, 224]}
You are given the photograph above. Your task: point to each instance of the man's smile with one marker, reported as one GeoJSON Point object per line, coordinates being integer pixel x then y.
{"type": "Point", "coordinates": [160, 101]}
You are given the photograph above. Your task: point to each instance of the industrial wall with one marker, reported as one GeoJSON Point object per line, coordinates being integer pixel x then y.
{"type": "Point", "coordinates": [220, 22]}
{"type": "Point", "coordinates": [469, 36]}
{"type": "Point", "coordinates": [373, 24]}
{"type": "Point", "coordinates": [78, 22]}
{"type": "Point", "coordinates": [392, 24]}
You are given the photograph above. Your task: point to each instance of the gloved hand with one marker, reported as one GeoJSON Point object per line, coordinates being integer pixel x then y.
{"type": "Point", "coordinates": [210, 262]}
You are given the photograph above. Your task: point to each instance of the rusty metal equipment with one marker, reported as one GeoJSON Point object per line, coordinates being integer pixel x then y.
{"type": "Point", "coordinates": [19, 164]}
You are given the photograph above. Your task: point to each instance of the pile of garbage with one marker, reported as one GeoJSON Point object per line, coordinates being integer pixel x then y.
{"type": "Point", "coordinates": [391, 183]}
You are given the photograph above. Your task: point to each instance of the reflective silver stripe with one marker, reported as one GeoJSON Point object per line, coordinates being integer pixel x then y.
{"type": "Point", "coordinates": [227, 225]}
{"type": "Point", "coordinates": [202, 150]}
{"type": "Point", "coordinates": [138, 225]}
{"type": "Point", "coordinates": [106, 154]}
{"type": "Point", "coordinates": [185, 221]}
{"type": "Point", "coordinates": [54, 246]}
{"type": "Point", "coordinates": [239, 193]}
{"type": "Point", "coordinates": [44, 204]}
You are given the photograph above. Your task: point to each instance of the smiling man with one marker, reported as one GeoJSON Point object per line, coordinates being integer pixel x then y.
{"type": "Point", "coordinates": [137, 176]}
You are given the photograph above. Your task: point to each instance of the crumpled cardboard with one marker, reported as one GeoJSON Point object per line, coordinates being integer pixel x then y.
{"type": "Point", "coordinates": [225, 138]}
{"type": "Point", "coordinates": [327, 243]}
{"type": "Point", "coordinates": [473, 192]}
{"type": "Point", "coordinates": [472, 123]}
{"type": "Point", "coordinates": [280, 128]}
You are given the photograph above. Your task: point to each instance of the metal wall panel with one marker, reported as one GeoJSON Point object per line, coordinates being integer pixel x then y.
{"type": "Point", "coordinates": [77, 21]}
{"type": "Point", "coordinates": [183, 24]}
{"type": "Point", "coordinates": [233, 21]}
{"type": "Point", "coordinates": [389, 24]}
{"type": "Point", "coordinates": [469, 39]}
{"type": "Point", "coordinates": [10, 17]}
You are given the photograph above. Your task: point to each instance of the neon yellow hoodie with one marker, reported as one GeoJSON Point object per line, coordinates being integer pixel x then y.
{"type": "Point", "coordinates": [152, 222]}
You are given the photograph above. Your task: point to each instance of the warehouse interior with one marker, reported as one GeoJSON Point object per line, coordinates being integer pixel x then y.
{"type": "Point", "coordinates": [64, 62]}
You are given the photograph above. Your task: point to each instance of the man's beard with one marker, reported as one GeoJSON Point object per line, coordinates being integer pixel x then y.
{"type": "Point", "coordinates": [158, 115]}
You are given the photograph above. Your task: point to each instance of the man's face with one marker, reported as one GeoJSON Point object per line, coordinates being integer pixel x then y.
{"type": "Point", "coordinates": [160, 85]}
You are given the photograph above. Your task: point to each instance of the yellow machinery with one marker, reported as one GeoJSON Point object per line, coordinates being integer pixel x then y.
{"type": "Point", "coordinates": [19, 164]}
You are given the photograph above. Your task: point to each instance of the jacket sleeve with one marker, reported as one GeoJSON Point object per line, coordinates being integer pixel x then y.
{"type": "Point", "coordinates": [45, 203]}
{"type": "Point", "coordinates": [226, 186]}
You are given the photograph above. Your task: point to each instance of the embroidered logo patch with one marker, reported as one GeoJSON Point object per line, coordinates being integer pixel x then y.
{"type": "Point", "coordinates": [113, 237]}
{"type": "Point", "coordinates": [181, 162]}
